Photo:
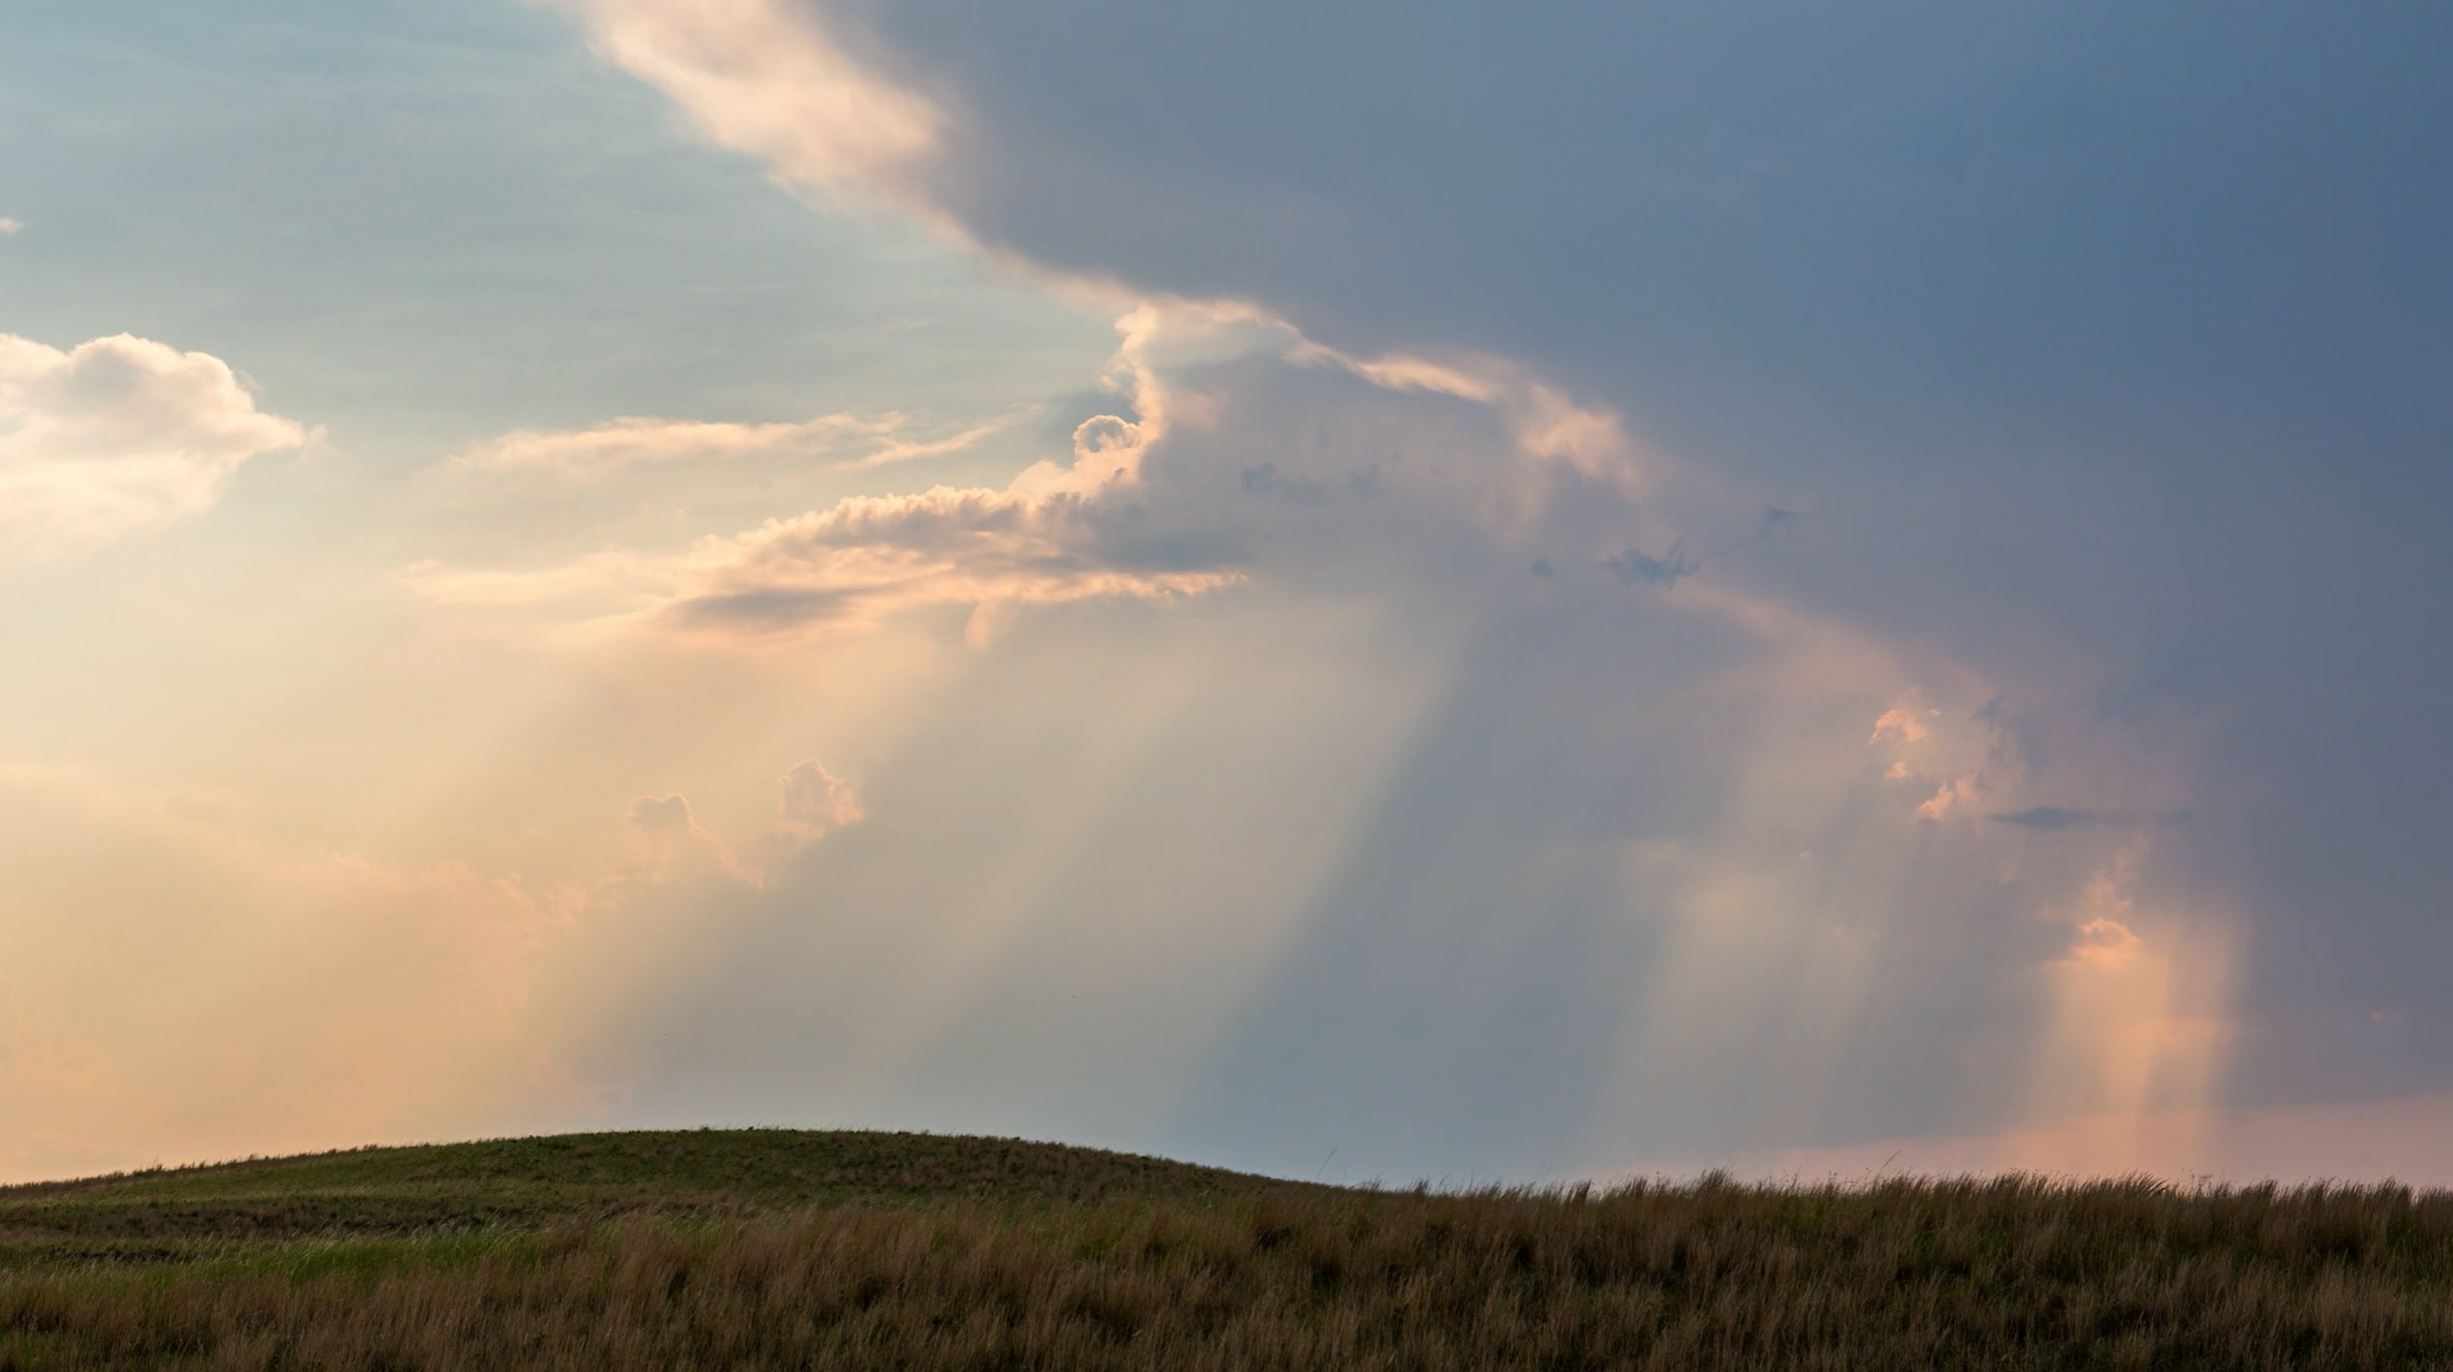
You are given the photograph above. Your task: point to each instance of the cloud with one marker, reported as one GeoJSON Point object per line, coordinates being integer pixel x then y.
{"type": "Point", "coordinates": [1403, 459]}
{"type": "Point", "coordinates": [1323, 784]}
{"type": "Point", "coordinates": [1979, 762]}
{"type": "Point", "coordinates": [1545, 422]}
{"type": "Point", "coordinates": [815, 801]}
{"type": "Point", "coordinates": [1636, 567]}
{"type": "Point", "coordinates": [870, 557]}
{"type": "Point", "coordinates": [1108, 448]}
{"type": "Point", "coordinates": [1952, 796]}
{"type": "Point", "coordinates": [1266, 481]}
{"type": "Point", "coordinates": [9, 227]}
{"type": "Point", "coordinates": [1773, 240]}
{"type": "Point", "coordinates": [1557, 746]}
{"type": "Point", "coordinates": [811, 802]}
{"type": "Point", "coordinates": [849, 567]}
{"type": "Point", "coordinates": [1422, 348]}
{"type": "Point", "coordinates": [660, 816]}
{"type": "Point", "coordinates": [117, 436]}
{"type": "Point", "coordinates": [914, 449]}
{"type": "Point", "coordinates": [2056, 818]}
{"type": "Point", "coordinates": [777, 83]}
{"type": "Point", "coordinates": [2103, 944]}
{"type": "Point", "coordinates": [2101, 915]}
{"type": "Point", "coordinates": [1060, 532]}
{"type": "Point", "coordinates": [638, 441]}
{"type": "Point", "coordinates": [1900, 722]}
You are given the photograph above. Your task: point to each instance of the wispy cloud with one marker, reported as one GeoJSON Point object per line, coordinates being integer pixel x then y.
{"type": "Point", "coordinates": [643, 441]}
{"type": "Point", "coordinates": [913, 449]}
{"type": "Point", "coordinates": [775, 82]}
{"type": "Point", "coordinates": [871, 557]}
{"type": "Point", "coordinates": [850, 566]}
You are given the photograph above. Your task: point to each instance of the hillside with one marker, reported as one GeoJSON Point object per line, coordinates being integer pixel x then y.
{"type": "Point", "coordinates": [789, 1249]}
{"type": "Point", "coordinates": [569, 1178]}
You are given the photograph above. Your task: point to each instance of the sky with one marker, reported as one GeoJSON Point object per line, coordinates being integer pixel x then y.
{"type": "Point", "coordinates": [1432, 590]}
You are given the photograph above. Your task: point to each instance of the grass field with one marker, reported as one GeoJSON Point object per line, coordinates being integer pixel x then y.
{"type": "Point", "coordinates": [761, 1248]}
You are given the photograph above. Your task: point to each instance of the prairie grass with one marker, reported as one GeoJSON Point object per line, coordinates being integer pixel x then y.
{"type": "Point", "coordinates": [768, 1249]}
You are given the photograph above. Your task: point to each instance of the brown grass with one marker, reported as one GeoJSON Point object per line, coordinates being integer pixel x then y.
{"type": "Point", "coordinates": [1199, 1269]}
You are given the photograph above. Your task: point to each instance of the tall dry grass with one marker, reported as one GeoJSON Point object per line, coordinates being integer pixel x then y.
{"type": "Point", "coordinates": [2013, 1273]}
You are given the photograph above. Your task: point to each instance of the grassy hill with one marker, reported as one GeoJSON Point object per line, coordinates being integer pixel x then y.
{"type": "Point", "coordinates": [561, 1179]}
{"type": "Point", "coordinates": [791, 1249]}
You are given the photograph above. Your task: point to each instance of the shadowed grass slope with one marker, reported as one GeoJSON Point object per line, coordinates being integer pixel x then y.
{"type": "Point", "coordinates": [769, 1248]}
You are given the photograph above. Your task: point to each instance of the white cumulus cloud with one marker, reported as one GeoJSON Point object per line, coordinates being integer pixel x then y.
{"type": "Point", "coordinates": [116, 436]}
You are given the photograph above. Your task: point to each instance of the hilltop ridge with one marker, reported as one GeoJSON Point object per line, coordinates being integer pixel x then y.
{"type": "Point", "coordinates": [554, 1178]}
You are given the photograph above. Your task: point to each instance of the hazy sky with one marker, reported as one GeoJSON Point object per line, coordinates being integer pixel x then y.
{"type": "Point", "coordinates": [1376, 589]}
